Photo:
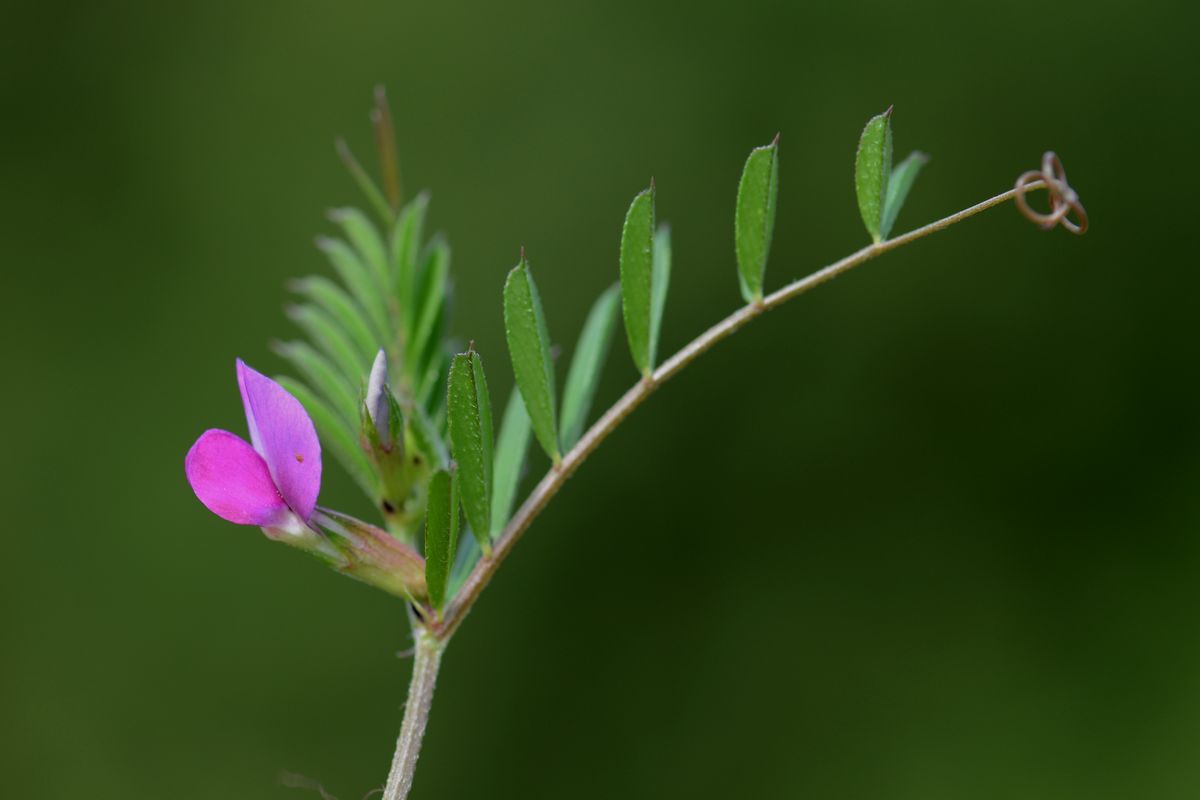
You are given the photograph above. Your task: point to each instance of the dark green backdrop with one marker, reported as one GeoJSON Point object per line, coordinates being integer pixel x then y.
{"type": "Point", "coordinates": [929, 532]}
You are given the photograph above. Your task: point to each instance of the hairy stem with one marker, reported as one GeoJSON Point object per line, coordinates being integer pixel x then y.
{"type": "Point", "coordinates": [557, 476]}
{"type": "Point", "coordinates": [427, 658]}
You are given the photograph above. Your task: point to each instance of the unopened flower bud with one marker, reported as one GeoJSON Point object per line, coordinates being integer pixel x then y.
{"type": "Point", "coordinates": [379, 407]}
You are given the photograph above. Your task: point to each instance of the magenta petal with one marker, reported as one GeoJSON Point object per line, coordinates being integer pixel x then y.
{"type": "Point", "coordinates": [232, 480]}
{"type": "Point", "coordinates": [284, 436]}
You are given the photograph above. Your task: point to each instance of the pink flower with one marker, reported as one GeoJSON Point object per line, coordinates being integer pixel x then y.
{"type": "Point", "coordinates": [271, 482]}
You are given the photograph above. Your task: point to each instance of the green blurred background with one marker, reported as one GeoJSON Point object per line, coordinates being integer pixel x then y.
{"type": "Point", "coordinates": [928, 532]}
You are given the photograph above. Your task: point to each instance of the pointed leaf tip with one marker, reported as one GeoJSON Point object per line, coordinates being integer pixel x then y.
{"type": "Point", "coordinates": [754, 221]}
{"type": "Point", "coordinates": [469, 418]}
{"type": "Point", "coordinates": [637, 278]}
{"type": "Point", "coordinates": [529, 350]}
{"type": "Point", "coordinates": [872, 168]}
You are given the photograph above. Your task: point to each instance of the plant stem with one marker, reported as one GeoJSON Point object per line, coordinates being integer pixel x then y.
{"type": "Point", "coordinates": [431, 641]}
{"type": "Point", "coordinates": [557, 476]}
{"type": "Point", "coordinates": [426, 660]}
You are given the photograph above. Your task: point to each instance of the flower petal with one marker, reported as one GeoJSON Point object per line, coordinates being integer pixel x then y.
{"type": "Point", "coordinates": [283, 434]}
{"type": "Point", "coordinates": [233, 481]}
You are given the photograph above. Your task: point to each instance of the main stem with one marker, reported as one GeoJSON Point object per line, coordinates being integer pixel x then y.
{"type": "Point", "coordinates": [427, 657]}
{"type": "Point", "coordinates": [431, 641]}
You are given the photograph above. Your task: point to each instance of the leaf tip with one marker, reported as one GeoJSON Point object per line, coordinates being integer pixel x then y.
{"type": "Point", "coordinates": [775, 141]}
{"type": "Point", "coordinates": [888, 114]}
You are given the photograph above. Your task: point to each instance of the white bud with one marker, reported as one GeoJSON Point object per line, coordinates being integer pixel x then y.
{"type": "Point", "coordinates": [378, 407]}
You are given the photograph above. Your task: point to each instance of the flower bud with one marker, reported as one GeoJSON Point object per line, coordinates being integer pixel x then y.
{"type": "Point", "coordinates": [382, 436]}
{"type": "Point", "coordinates": [378, 405]}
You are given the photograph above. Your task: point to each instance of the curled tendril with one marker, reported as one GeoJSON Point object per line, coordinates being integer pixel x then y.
{"type": "Point", "coordinates": [1063, 199]}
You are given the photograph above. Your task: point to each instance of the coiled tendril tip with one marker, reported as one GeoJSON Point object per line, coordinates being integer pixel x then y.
{"type": "Point", "coordinates": [1063, 199]}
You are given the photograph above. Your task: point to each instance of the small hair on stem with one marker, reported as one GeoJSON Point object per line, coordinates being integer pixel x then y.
{"type": "Point", "coordinates": [293, 780]}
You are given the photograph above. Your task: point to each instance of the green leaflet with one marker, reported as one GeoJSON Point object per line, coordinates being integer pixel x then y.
{"type": "Point", "coordinates": [637, 278]}
{"type": "Point", "coordinates": [658, 288]}
{"type": "Point", "coordinates": [872, 167]}
{"type": "Point", "coordinates": [529, 349]}
{"type": "Point", "coordinates": [375, 197]}
{"type": "Point", "coordinates": [360, 281]}
{"type": "Point", "coordinates": [900, 181]}
{"type": "Point", "coordinates": [321, 376]}
{"type": "Point", "coordinates": [469, 415]}
{"type": "Point", "coordinates": [405, 250]}
{"type": "Point", "coordinates": [441, 534]}
{"type": "Point", "coordinates": [468, 557]}
{"type": "Point", "coordinates": [432, 385]}
{"type": "Point", "coordinates": [486, 429]}
{"type": "Point", "coordinates": [342, 309]}
{"type": "Point", "coordinates": [587, 364]}
{"type": "Point", "coordinates": [335, 436]}
{"type": "Point", "coordinates": [754, 220]}
{"type": "Point", "coordinates": [331, 339]}
{"type": "Point", "coordinates": [511, 446]}
{"type": "Point", "coordinates": [429, 307]}
{"type": "Point", "coordinates": [367, 241]}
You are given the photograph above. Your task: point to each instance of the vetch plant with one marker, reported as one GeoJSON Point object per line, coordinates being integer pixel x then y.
{"type": "Point", "coordinates": [411, 420]}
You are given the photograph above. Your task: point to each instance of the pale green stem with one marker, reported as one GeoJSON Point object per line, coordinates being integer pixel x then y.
{"type": "Point", "coordinates": [427, 657]}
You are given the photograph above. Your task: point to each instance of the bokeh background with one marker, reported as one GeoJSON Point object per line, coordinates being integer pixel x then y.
{"type": "Point", "coordinates": [928, 532]}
